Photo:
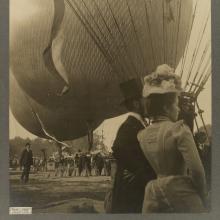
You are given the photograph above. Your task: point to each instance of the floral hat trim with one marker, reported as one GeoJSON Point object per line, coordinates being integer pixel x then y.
{"type": "Point", "coordinates": [163, 80]}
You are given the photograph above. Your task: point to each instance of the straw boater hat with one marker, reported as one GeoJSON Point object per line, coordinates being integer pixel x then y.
{"type": "Point", "coordinates": [162, 81]}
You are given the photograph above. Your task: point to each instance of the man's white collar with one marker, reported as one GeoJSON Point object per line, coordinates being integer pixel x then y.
{"type": "Point", "coordinates": [138, 117]}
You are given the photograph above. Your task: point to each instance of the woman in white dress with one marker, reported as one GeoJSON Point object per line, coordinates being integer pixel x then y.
{"type": "Point", "coordinates": [169, 146]}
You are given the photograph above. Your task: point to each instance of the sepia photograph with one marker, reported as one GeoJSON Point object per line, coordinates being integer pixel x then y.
{"type": "Point", "coordinates": [110, 106]}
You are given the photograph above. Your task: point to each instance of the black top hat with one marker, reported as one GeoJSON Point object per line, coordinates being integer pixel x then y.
{"type": "Point", "coordinates": [131, 89]}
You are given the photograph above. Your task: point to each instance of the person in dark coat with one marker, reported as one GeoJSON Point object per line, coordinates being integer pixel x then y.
{"type": "Point", "coordinates": [87, 164]}
{"type": "Point", "coordinates": [76, 165]}
{"type": "Point", "coordinates": [99, 162]}
{"type": "Point", "coordinates": [26, 161]}
{"type": "Point", "coordinates": [81, 162]}
{"type": "Point", "coordinates": [133, 170]}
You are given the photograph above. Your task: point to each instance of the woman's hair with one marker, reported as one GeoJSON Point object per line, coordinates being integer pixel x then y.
{"type": "Point", "coordinates": [155, 103]}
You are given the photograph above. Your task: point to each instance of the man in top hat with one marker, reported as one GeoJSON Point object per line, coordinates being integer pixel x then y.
{"type": "Point", "coordinates": [133, 170]}
{"type": "Point", "coordinates": [26, 161]}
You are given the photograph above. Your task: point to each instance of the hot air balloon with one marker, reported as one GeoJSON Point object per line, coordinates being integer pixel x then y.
{"type": "Point", "coordinates": [101, 43]}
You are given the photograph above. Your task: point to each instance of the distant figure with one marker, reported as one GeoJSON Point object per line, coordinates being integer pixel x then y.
{"type": "Point", "coordinates": [76, 165]}
{"type": "Point", "coordinates": [107, 166]}
{"type": "Point", "coordinates": [61, 167]}
{"type": "Point", "coordinates": [80, 162]}
{"type": "Point", "coordinates": [87, 164]}
{"type": "Point", "coordinates": [56, 161]}
{"type": "Point", "coordinates": [26, 161]}
{"type": "Point", "coordinates": [204, 149]}
{"type": "Point", "coordinates": [44, 162]}
{"type": "Point", "coordinates": [65, 166]}
{"type": "Point", "coordinates": [99, 163]}
{"type": "Point", "coordinates": [70, 166]}
{"type": "Point", "coordinates": [36, 164]}
{"type": "Point", "coordinates": [84, 169]}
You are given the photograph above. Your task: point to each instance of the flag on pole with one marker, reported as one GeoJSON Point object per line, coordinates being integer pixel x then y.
{"type": "Point", "coordinates": [52, 53]}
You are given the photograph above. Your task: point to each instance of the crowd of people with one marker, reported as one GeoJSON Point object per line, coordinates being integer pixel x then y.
{"type": "Point", "coordinates": [82, 164]}
{"type": "Point", "coordinates": [78, 164]}
{"type": "Point", "coordinates": [38, 163]}
{"type": "Point", "coordinates": [98, 164]}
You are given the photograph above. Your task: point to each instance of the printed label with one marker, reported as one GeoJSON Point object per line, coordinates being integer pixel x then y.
{"type": "Point", "coordinates": [20, 210]}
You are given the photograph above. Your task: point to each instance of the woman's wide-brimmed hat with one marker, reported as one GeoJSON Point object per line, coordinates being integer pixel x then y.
{"type": "Point", "coordinates": [162, 81]}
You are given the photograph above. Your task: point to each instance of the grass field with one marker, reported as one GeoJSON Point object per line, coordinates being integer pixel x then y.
{"type": "Point", "coordinates": [59, 194]}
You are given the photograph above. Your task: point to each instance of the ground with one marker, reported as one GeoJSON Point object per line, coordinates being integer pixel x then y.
{"type": "Point", "coordinates": [49, 194]}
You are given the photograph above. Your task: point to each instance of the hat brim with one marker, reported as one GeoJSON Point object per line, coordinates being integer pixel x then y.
{"type": "Point", "coordinates": [157, 90]}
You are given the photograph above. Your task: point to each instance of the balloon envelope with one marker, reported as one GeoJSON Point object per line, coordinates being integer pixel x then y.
{"type": "Point", "coordinates": [57, 123]}
{"type": "Point", "coordinates": [106, 42]}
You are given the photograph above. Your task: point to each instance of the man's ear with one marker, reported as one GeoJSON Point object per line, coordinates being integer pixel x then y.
{"type": "Point", "coordinates": [136, 104]}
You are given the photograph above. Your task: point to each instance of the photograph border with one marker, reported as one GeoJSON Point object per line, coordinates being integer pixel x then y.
{"type": "Point", "coordinates": [4, 133]}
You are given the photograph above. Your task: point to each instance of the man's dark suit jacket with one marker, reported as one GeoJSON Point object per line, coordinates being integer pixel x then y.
{"type": "Point", "coordinates": [26, 158]}
{"type": "Point", "coordinates": [133, 170]}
